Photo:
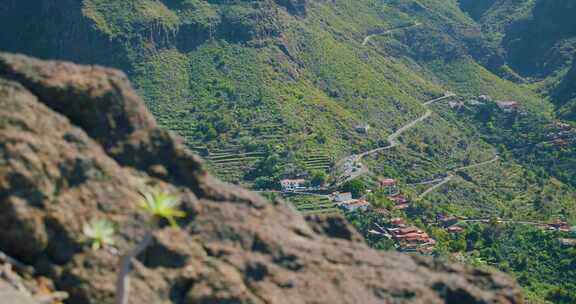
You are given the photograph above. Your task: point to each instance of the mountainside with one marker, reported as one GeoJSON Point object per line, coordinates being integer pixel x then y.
{"type": "Point", "coordinates": [468, 105]}
{"type": "Point", "coordinates": [538, 40]}
{"type": "Point", "coordinates": [78, 144]}
{"type": "Point", "coordinates": [244, 81]}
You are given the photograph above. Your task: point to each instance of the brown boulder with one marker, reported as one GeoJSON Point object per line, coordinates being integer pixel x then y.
{"type": "Point", "coordinates": [77, 143]}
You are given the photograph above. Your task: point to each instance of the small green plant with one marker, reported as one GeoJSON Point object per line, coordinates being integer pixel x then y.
{"type": "Point", "coordinates": [161, 204]}
{"type": "Point", "coordinates": [99, 232]}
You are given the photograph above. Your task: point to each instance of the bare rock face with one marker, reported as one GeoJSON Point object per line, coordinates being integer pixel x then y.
{"type": "Point", "coordinates": [76, 143]}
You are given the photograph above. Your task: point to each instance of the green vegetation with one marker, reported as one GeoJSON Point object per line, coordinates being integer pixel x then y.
{"type": "Point", "coordinates": [309, 204]}
{"type": "Point", "coordinates": [162, 205]}
{"type": "Point", "coordinates": [536, 258]}
{"type": "Point", "coordinates": [99, 233]}
{"type": "Point", "coordinates": [264, 91]}
{"type": "Point", "coordinates": [356, 187]}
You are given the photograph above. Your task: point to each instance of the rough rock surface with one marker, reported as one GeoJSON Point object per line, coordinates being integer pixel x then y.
{"type": "Point", "coordinates": [77, 143]}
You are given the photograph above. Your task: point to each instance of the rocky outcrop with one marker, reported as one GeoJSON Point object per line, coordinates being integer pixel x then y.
{"type": "Point", "coordinates": [76, 143]}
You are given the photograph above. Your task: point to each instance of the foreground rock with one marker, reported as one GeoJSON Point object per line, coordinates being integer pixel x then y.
{"type": "Point", "coordinates": [76, 143]}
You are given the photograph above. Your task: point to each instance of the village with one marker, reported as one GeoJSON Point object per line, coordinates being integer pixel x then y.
{"type": "Point", "coordinates": [408, 238]}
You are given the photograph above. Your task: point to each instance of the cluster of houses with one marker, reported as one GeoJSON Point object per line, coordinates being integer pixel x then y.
{"type": "Point", "coordinates": [390, 187]}
{"type": "Point", "coordinates": [507, 106]}
{"type": "Point", "coordinates": [345, 201]}
{"type": "Point", "coordinates": [563, 226]}
{"type": "Point", "coordinates": [449, 222]}
{"type": "Point", "coordinates": [562, 134]}
{"type": "Point", "coordinates": [410, 238]}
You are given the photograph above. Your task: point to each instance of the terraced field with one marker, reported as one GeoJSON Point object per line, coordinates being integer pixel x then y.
{"type": "Point", "coordinates": [311, 205]}
{"type": "Point", "coordinates": [318, 160]}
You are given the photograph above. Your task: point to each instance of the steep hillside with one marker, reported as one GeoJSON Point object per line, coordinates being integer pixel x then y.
{"type": "Point", "coordinates": [78, 145]}
{"type": "Point", "coordinates": [538, 40]}
{"type": "Point", "coordinates": [270, 89]}
{"type": "Point", "coordinates": [248, 82]}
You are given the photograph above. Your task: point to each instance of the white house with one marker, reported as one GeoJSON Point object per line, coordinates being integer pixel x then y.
{"type": "Point", "coordinates": [363, 129]}
{"type": "Point", "coordinates": [291, 185]}
{"type": "Point", "coordinates": [342, 197]}
{"type": "Point", "coordinates": [355, 205]}
{"type": "Point", "coordinates": [508, 106]}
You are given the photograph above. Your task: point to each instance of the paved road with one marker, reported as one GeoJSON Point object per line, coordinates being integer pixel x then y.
{"type": "Point", "coordinates": [433, 181]}
{"type": "Point", "coordinates": [440, 184]}
{"type": "Point", "coordinates": [447, 95]}
{"type": "Point", "coordinates": [478, 164]}
{"type": "Point", "coordinates": [450, 176]}
{"type": "Point", "coordinates": [382, 33]}
{"type": "Point", "coordinates": [487, 220]}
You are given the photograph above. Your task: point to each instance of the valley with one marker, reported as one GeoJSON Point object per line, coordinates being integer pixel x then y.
{"type": "Point", "coordinates": [346, 108]}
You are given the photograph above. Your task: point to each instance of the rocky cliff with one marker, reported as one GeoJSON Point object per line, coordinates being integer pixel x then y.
{"type": "Point", "coordinates": [76, 143]}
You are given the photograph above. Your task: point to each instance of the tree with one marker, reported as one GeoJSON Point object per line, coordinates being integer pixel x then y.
{"type": "Point", "coordinates": [318, 178]}
{"type": "Point", "coordinates": [265, 182]}
{"type": "Point", "coordinates": [355, 186]}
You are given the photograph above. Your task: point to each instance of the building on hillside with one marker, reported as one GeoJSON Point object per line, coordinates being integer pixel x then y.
{"type": "Point", "coordinates": [400, 201]}
{"type": "Point", "coordinates": [362, 129]}
{"type": "Point", "coordinates": [446, 220]}
{"type": "Point", "coordinates": [454, 104]}
{"type": "Point", "coordinates": [398, 222]}
{"type": "Point", "coordinates": [563, 126]}
{"type": "Point", "coordinates": [292, 185]}
{"type": "Point", "coordinates": [355, 205]}
{"type": "Point", "coordinates": [560, 143]}
{"type": "Point", "coordinates": [567, 242]}
{"type": "Point", "coordinates": [508, 106]}
{"type": "Point", "coordinates": [342, 197]}
{"type": "Point", "coordinates": [485, 98]}
{"type": "Point", "coordinates": [412, 238]}
{"type": "Point", "coordinates": [389, 185]}
{"type": "Point", "coordinates": [474, 102]}
{"type": "Point", "coordinates": [559, 225]}
{"type": "Point", "coordinates": [455, 229]}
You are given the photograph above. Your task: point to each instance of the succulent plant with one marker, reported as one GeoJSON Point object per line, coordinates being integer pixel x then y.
{"type": "Point", "coordinates": [99, 233]}
{"type": "Point", "coordinates": [161, 204]}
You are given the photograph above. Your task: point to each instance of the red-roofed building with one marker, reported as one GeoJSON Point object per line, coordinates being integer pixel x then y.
{"type": "Point", "coordinates": [398, 199]}
{"type": "Point", "coordinates": [455, 229]}
{"type": "Point", "coordinates": [446, 221]}
{"type": "Point", "coordinates": [389, 184]}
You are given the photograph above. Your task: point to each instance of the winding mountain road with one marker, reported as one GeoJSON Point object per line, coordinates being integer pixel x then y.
{"type": "Point", "coordinates": [353, 166]}
{"type": "Point", "coordinates": [450, 176]}
{"type": "Point", "coordinates": [487, 220]}
{"type": "Point", "coordinates": [438, 185]}
{"type": "Point", "coordinates": [382, 33]}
